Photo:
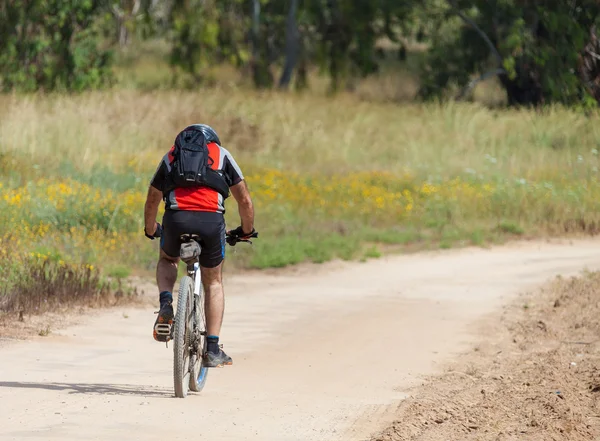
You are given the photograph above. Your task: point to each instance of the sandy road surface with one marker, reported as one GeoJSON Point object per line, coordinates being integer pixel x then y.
{"type": "Point", "coordinates": [316, 357]}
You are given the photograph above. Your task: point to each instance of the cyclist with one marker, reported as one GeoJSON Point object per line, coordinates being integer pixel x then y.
{"type": "Point", "coordinates": [197, 210]}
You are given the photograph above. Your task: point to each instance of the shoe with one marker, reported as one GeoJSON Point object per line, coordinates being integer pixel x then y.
{"type": "Point", "coordinates": [217, 360]}
{"type": "Point", "coordinates": [163, 323]}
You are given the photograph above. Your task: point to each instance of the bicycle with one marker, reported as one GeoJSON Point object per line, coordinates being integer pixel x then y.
{"type": "Point", "coordinates": [188, 331]}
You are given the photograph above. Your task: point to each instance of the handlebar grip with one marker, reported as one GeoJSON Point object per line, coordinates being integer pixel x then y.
{"type": "Point", "coordinates": [233, 239]}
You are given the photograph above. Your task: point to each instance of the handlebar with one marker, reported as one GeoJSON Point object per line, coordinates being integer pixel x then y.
{"type": "Point", "coordinates": [232, 239]}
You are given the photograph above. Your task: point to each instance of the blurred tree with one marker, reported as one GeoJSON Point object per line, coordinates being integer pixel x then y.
{"type": "Point", "coordinates": [125, 12]}
{"type": "Point", "coordinates": [533, 47]}
{"type": "Point", "coordinates": [348, 32]}
{"type": "Point", "coordinates": [589, 65]}
{"type": "Point", "coordinates": [262, 35]}
{"type": "Point", "coordinates": [292, 45]}
{"type": "Point", "coordinates": [195, 30]}
{"type": "Point", "coordinates": [261, 72]}
{"type": "Point", "coordinates": [136, 16]}
{"type": "Point", "coordinates": [52, 44]}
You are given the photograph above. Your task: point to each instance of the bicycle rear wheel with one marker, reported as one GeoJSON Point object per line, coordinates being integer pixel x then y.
{"type": "Point", "coordinates": [182, 337]}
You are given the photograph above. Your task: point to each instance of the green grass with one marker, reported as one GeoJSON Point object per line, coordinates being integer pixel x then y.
{"type": "Point", "coordinates": [510, 228]}
{"type": "Point", "coordinates": [372, 253]}
{"type": "Point", "coordinates": [118, 271]}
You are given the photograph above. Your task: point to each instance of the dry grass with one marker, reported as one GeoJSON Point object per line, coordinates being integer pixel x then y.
{"type": "Point", "coordinates": [301, 132]}
{"type": "Point", "coordinates": [44, 285]}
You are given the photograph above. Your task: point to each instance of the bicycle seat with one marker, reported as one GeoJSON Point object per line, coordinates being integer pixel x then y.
{"type": "Point", "coordinates": [189, 237]}
{"type": "Point", "coordinates": [190, 249]}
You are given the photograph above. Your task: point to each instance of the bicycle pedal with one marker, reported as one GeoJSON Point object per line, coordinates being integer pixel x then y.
{"type": "Point", "coordinates": [163, 329]}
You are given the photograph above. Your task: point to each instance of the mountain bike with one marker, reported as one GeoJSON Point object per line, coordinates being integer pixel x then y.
{"type": "Point", "coordinates": [189, 325]}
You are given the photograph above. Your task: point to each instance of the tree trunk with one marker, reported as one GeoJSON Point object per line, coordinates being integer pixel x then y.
{"type": "Point", "coordinates": [256, 42]}
{"type": "Point", "coordinates": [589, 65]}
{"type": "Point", "coordinates": [124, 15]}
{"type": "Point", "coordinates": [260, 68]}
{"type": "Point", "coordinates": [291, 46]}
{"type": "Point", "coordinates": [123, 32]}
{"type": "Point", "coordinates": [524, 90]}
{"type": "Point", "coordinates": [301, 81]}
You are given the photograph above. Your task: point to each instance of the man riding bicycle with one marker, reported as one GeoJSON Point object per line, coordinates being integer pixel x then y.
{"type": "Point", "coordinates": [194, 204]}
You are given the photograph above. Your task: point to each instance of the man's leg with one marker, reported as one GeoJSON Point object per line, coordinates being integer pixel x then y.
{"type": "Point", "coordinates": [166, 276]}
{"type": "Point", "coordinates": [166, 272]}
{"type": "Point", "coordinates": [214, 305]}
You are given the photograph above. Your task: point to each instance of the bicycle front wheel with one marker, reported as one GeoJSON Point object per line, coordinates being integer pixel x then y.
{"type": "Point", "coordinates": [182, 337]}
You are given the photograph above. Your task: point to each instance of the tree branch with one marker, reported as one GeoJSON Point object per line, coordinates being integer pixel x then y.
{"type": "Point", "coordinates": [136, 7]}
{"type": "Point", "coordinates": [474, 82]}
{"type": "Point", "coordinates": [118, 12]}
{"type": "Point", "coordinates": [593, 54]}
{"type": "Point", "coordinates": [471, 23]}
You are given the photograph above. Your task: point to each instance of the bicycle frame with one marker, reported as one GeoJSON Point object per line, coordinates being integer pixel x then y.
{"type": "Point", "coordinates": [197, 276]}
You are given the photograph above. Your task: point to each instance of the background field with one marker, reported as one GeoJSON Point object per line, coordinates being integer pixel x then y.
{"type": "Point", "coordinates": [347, 176]}
{"type": "Point", "coordinates": [356, 125]}
{"type": "Point", "coordinates": [330, 177]}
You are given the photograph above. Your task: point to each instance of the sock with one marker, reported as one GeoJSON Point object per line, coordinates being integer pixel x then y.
{"type": "Point", "coordinates": [213, 344]}
{"type": "Point", "coordinates": [165, 297]}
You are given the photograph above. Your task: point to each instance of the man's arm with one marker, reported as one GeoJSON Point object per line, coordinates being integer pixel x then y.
{"type": "Point", "coordinates": [239, 190]}
{"type": "Point", "coordinates": [245, 207]}
{"type": "Point", "coordinates": [155, 195]}
{"type": "Point", "coordinates": [151, 209]}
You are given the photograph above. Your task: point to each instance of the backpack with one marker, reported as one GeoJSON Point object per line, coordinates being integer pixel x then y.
{"type": "Point", "coordinates": [191, 165]}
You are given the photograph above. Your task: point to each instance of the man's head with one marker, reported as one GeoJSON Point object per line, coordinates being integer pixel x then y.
{"type": "Point", "coordinates": [209, 133]}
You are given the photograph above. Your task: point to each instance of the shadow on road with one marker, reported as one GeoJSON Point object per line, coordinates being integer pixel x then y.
{"type": "Point", "coordinates": [92, 388]}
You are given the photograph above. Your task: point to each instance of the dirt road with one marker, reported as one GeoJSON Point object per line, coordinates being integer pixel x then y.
{"type": "Point", "coordinates": [322, 356]}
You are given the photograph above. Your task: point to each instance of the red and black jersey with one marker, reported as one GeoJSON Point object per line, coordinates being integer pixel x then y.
{"type": "Point", "coordinates": [198, 198]}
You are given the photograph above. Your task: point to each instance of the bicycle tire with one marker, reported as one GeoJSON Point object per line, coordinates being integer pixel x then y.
{"type": "Point", "coordinates": [181, 337]}
{"type": "Point", "coordinates": [198, 371]}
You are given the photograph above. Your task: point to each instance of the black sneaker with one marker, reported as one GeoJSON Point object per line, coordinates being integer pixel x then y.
{"type": "Point", "coordinates": [163, 323]}
{"type": "Point", "coordinates": [217, 360]}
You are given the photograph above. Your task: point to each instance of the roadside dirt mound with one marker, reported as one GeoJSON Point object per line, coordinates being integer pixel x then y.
{"type": "Point", "coordinates": [538, 379]}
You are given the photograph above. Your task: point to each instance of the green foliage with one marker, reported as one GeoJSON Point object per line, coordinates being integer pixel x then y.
{"type": "Point", "coordinates": [207, 32]}
{"type": "Point", "coordinates": [372, 253]}
{"type": "Point", "coordinates": [346, 34]}
{"type": "Point", "coordinates": [510, 228]}
{"type": "Point", "coordinates": [537, 52]}
{"type": "Point", "coordinates": [537, 47]}
{"type": "Point", "coordinates": [53, 44]}
{"type": "Point", "coordinates": [118, 271]}
{"type": "Point", "coordinates": [339, 35]}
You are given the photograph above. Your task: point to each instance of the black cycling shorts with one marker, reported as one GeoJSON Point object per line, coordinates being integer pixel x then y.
{"type": "Point", "coordinates": [209, 226]}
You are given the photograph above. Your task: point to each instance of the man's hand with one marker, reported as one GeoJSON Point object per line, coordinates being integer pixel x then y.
{"type": "Point", "coordinates": [156, 231]}
{"type": "Point", "coordinates": [150, 211]}
{"type": "Point", "coordinates": [240, 233]}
